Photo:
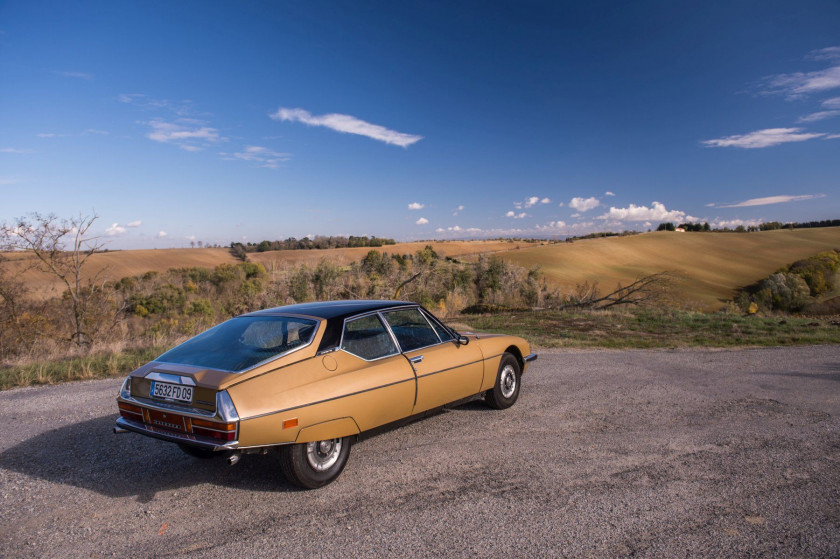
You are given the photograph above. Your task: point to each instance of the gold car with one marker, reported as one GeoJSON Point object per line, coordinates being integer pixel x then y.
{"type": "Point", "coordinates": [308, 378]}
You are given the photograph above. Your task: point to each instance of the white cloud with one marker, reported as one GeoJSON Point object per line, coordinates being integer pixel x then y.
{"type": "Point", "coordinates": [768, 200]}
{"type": "Point", "coordinates": [440, 230]}
{"type": "Point", "coordinates": [577, 215]}
{"type": "Point", "coordinates": [530, 202]}
{"type": "Point", "coordinates": [735, 222]}
{"type": "Point", "coordinates": [608, 193]}
{"type": "Point", "coordinates": [454, 228]}
{"type": "Point", "coordinates": [180, 108]}
{"type": "Point", "coordinates": [457, 210]}
{"type": "Point", "coordinates": [460, 208]}
{"type": "Point", "coordinates": [79, 75]}
{"type": "Point", "coordinates": [657, 212]}
{"type": "Point", "coordinates": [560, 205]}
{"type": "Point", "coordinates": [422, 221]}
{"type": "Point", "coordinates": [800, 84]}
{"type": "Point", "coordinates": [190, 237]}
{"type": "Point", "coordinates": [833, 103]}
{"type": "Point", "coordinates": [762, 138]}
{"type": "Point", "coordinates": [162, 234]}
{"type": "Point", "coordinates": [264, 156]}
{"type": "Point", "coordinates": [347, 124]}
{"type": "Point", "coordinates": [183, 133]}
{"type": "Point", "coordinates": [515, 215]}
{"type": "Point", "coordinates": [416, 206]}
{"type": "Point", "coordinates": [98, 132]}
{"type": "Point", "coordinates": [828, 53]}
{"type": "Point", "coordinates": [584, 204]}
{"type": "Point", "coordinates": [16, 150]}
{"type": "Point", "coordinates": [831, 137]}
{"type": "Point", "coordinates": [115, 229]}
{"type": "Point", "coordinates": [545, 201]}
{"type": "Point", "coordinates": [551, 226]}
{"type": "Point", "coordinates": [137, 223]}
{"type": "Point", "coordinates": [820, 115]}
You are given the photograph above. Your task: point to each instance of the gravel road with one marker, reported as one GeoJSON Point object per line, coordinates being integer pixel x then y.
{"type": "Point", "coordinates": [607, 453]}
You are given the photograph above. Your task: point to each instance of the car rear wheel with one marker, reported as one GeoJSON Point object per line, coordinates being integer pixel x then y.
{"type": "Point", "coordinates": [506, 390]}
{"type": "Point", "coordinates": [315, 464]}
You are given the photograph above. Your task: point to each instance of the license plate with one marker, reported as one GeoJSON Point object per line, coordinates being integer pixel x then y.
{"type": "Point", "coordinates": [167, 391]}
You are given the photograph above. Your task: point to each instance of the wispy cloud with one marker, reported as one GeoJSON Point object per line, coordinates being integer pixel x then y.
{"type": "Point", "coordinates": [422, 221]}
{"type": "Point", "coordinates": [768, 200]}
{"type": "Point", "coordinates": [416, 206]}
{"type": "Point", "coordinates": [800, 84]}
{"type": "Point", "coordinates": [264, 156]}
{"type": "Point", "coordinates": [833, 103]}
{"type": "Point", "coordinates": [656, 212]}
{"type": "Point", "coordinates": [608, 193]}
{"type": "Point", "coordinates": [6, 181]}
{"type": "Point", "coordinates": [545, 201]}
{"type": "Point", "coordinates": [735, 222]}
{"type": "Point", "coordinates": [831, 137]}
{"type": "Point", "coordinates": [828, 53]}
{"type": "Point", "coordinates": [763, 138]}
{"type": "Point", "coordinates": [819, 115]}
{"type": "Point", "coordinates": [162, 234]}
{"type": "Point", "coordinates": [183, 133]}
{"type": "Point", "coordinates": [17, 150]}
{"type": "Point", "coordinates": [87, 132]}
{"type": "Point", "coordinates": [114, 230]}
{"type": "Point", "coordinates": [584, 204]}
{"type": "Point", "coordinates": [515, 215]}
{"type": "Point", "coordinates": [348, 125]}
{"type": "Point", "coordinates": [458, 210]}
{"type": "Point", "coordinates": [77, 75]}
{"type": "Point", "coordinates": [181, 108]}
{"type": "Point", "coordinates": [137, 223]}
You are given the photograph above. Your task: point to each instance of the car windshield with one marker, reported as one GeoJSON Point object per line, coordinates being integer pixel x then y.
{"type": "Point", "coordinates": [242, 342]}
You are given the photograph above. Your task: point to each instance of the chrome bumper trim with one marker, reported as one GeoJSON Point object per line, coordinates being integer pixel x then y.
{"type": "Point", "coordinates": [164, 406]}
{"type": "Point", "coordinates": [531, 357]}
{"type": "Point", "coordinates": [185, 438]}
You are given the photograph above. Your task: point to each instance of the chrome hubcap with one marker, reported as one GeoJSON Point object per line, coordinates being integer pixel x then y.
{"type": "Point", "coordinates": [507, 381]}
{"type": "Point", "coordinates": [322, 455]}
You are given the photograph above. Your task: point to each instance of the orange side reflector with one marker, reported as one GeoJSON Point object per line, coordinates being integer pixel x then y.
{"type": "Point", "coordinates": [290, 423]}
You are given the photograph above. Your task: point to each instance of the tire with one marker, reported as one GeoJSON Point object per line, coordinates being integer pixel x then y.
{"type": "Point", "coordinates": [313, 465]}
{"type": "Point", "coordinates": [196, 452]}
{"type": "Point", "coordinates": [508, 380]}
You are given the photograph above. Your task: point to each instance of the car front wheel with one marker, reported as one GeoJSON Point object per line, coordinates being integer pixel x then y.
{"type": "Point", "coordinates": [506, 390]}
{"type": "Point", "coordinates": [315, 464]}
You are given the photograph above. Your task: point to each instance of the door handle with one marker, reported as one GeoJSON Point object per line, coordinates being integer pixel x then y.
{"type": "Point", "coordinates": [417, 359]}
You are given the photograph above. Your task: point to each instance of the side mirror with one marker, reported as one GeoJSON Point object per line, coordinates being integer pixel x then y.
{"type": "Point", "coordinates": [463, 340]}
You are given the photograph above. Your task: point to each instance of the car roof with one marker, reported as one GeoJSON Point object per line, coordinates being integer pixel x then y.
{"type": "Point", "coordinates": [332, 309]}
{"type": "Point", "coordinates": [335, 312]}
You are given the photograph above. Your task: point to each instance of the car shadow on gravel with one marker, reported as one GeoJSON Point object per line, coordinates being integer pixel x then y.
{"type": "Point", "coordinates": [90, 456]}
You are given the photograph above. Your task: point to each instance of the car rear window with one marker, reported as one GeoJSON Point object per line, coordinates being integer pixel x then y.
{"type": "Point", "coordinates": [411, 329]}
{"type": "Point", "coordinates": [367, 338]}
{"type": "Point", "coordinates": [242, 342]}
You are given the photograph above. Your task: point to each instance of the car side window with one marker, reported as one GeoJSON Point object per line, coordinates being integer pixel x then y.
{"type": "Point", "coordinates": [442, 332]}
{"type": "Point", "coordinates": [367, 338]}
{"type": "Point", "coordinates": [411, 329]}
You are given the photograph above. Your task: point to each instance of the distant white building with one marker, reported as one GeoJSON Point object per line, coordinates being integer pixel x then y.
{"type": "Point", "coordinates": [679, 230]}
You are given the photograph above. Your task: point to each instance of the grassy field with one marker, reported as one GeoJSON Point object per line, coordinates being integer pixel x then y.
{"type": "Point", "coordinates": [654, 329]}
{"type": "Point", "coordinates": [711, 266]}
{"type": "Point", "coordinates": [119, 264]}
{"type": "Point", "coordinates": [544, 329]}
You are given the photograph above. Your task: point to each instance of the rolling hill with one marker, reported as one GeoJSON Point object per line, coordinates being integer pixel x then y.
{"type": "Point", "coordinates": [711, 266]}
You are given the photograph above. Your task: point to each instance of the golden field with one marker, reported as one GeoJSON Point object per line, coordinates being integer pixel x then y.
{"type": "Point", "coordinates": [114, 265]}
{"type": "Point", "coordinates": [711, 266]}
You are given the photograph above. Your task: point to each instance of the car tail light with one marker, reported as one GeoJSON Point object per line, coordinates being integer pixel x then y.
{"type": "Point", "coordinates": [214, 429]}
{"type": "Point", "coordinates": [130, 411]}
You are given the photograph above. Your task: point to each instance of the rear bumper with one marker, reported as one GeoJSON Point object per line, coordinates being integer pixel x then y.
{"type": "Point", "coordinates": [205, 443]}
{"type": "Point", "coordinates": [531, 357]}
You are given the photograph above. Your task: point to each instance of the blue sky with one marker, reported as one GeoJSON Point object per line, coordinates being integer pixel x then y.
{"type": "Point", "coordinates": [222, 121]}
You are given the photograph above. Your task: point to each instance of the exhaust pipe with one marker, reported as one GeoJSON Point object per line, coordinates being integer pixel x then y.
{"type": "Point", "coordinates": [234, 458]}
{"type": "Point", "coordinates": [119, 430]}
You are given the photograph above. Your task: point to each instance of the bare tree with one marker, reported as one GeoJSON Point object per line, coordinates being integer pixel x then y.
{"type": "Point", "coordinates": [645, 290]}
{"type": "Point", "coordinates": [62, 248]}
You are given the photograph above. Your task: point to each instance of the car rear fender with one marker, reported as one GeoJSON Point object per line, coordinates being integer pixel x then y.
{"type": "Point", "coordinates": [333, 429]}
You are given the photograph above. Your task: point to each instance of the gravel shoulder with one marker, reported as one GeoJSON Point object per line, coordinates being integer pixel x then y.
{"type": "Point", "coordinates": [606, 453]}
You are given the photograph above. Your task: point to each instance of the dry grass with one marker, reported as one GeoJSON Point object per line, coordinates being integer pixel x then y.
{"type": "Point", "coordinates": [711, 265]}
{"type": "Point", "coordinates": [119, 264]}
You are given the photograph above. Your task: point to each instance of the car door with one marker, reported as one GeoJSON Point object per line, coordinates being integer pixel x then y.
{"type": "Point", "coordinates": [380, 384]}
{"type": "Point", "coordinates": [446, 370]}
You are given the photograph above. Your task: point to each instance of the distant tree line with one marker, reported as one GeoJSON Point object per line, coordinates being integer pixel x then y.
{"type": "Point", "coordinates": [766, 226]}
{"type": "Point", "coordinates": [241, 250]}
